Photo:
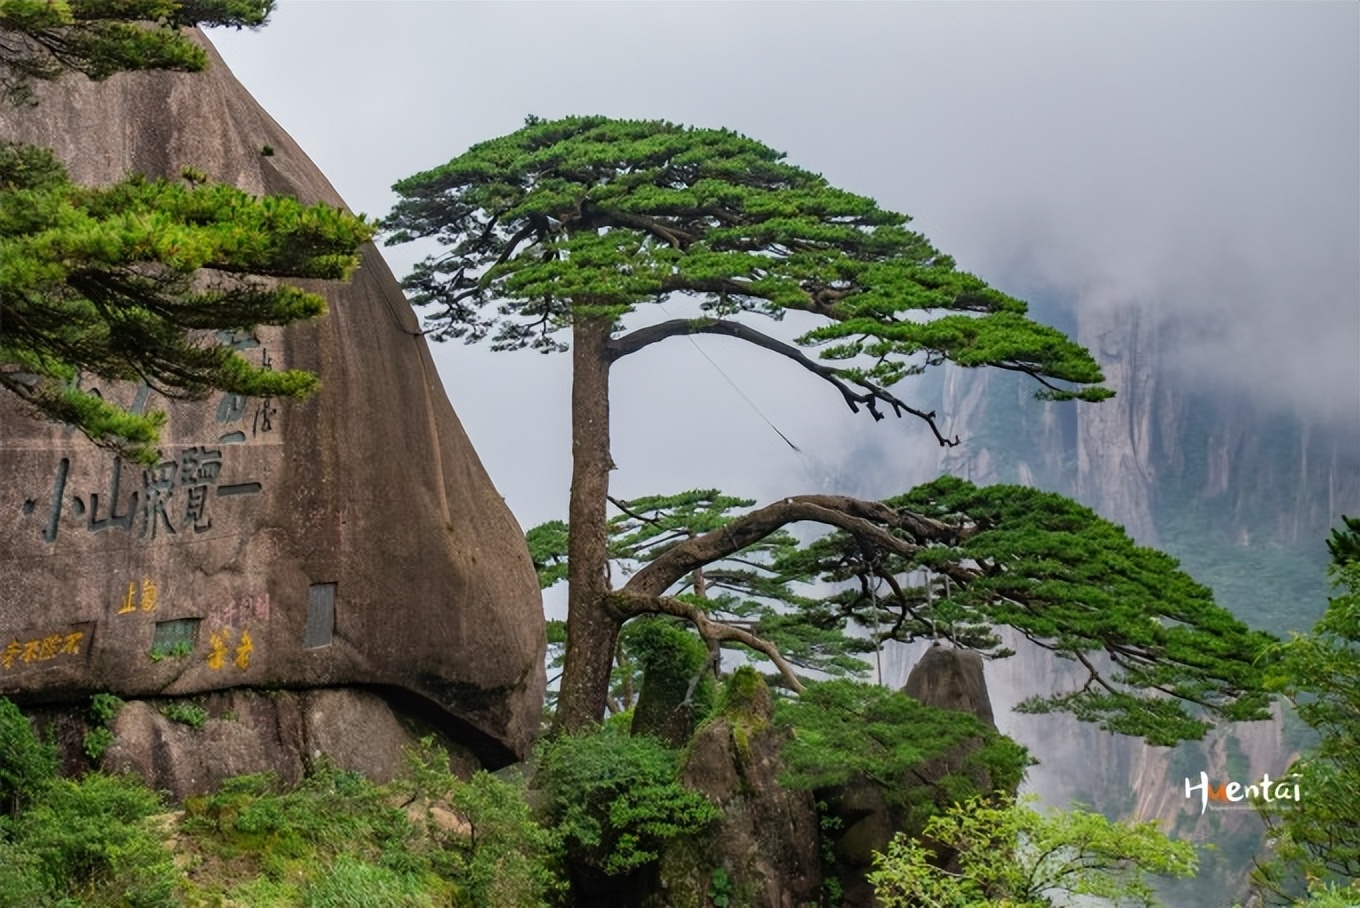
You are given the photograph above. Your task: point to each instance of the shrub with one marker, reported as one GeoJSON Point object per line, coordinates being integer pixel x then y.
{"type": "Point", "coordinates": [103, 710]}
{"type": "Point", "coordinates": [1008, 849]}
{"type": "Point", "coordinates": [502, 858]}
{"type": "Point", "coordinates": [91, 842]}
{"type": "Point", "coordinates": [185, 712]}
{"type": "Point", "coordinates": [27, 766]}
{"type": "Point", "coordinates": [97, 741]}
{"type": "Point", "coordinates": [509, 861]}
{"type": "Point", "coordinates": [616, 798]}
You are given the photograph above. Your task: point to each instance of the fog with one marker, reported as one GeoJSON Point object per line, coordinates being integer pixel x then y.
{"type": "Point", "coordinates": [1198, 161]}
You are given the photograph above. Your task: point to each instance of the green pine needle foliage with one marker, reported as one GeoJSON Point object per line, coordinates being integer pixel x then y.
{"type": "Point", "coordinates": [843, 730]}
{"type": "Point", "coordinates": [1163, 660]}
{"type": "Point", "coordinates": [145, 281]}
{"type": "Point", "coordinates": [40, 40]}
{"type": "Point", "coordinates": [752, 586]}
{"type": "Point", "coordinates": [588, 216]}
{"type": "Point", "coordinates": [616, 799]}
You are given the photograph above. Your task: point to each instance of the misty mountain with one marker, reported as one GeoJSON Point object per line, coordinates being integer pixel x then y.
{"type": "Point", "coordinates": [1242, 490]}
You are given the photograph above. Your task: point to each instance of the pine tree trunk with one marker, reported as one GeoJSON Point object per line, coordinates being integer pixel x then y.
{"type": "Point", "coordinates": [592, 632]}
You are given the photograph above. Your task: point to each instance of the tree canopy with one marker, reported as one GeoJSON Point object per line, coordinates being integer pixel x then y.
{"type": "Point", "coordinates": [131, 282]}
{"type": "Point", "coordinates": [1012, 856]}
{"type": "Point", "coordinates": [570, 225]}
{"type": "Point", "coordinates": [948, 561]}
{"type": "Point", "coordinates": [41, 40]}
{"type": "Point", "coordinates": [588, 216]}
{"type": "Point", "coordinates": [147, 280]}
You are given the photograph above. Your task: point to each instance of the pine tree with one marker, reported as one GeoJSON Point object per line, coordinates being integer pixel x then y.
{"type": "Point", "coordinates": [949, 562]}
{"type": "Point", "coordinates": [145, 280]}
{"type": "Point", "coordinates": [569, 225]}
{"type": "Point", "coordinates": [41, 40]}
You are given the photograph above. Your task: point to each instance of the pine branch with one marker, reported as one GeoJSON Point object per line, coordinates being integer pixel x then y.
{"type": "Point", "coordinates": [632, 604]}
{"type": "Point", "coordinates": [870, 397]}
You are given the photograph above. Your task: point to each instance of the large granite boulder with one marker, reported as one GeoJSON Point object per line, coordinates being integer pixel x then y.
{"type": "Point", "coordinates": [349, 539]}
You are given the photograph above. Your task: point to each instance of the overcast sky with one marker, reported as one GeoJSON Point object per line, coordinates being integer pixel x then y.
{"type": "Point", "coordinates": [1191, 157]}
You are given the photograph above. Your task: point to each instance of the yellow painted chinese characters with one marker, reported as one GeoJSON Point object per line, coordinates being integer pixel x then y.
{"type": "Point", "coordinates": [220, 643]}
{"type": "Point", "coordinates": [147, 601]}
{"type": "Point", "coordinates": [41, 649]}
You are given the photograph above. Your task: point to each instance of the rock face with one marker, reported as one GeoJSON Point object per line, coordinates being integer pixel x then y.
{"type": "Point", "coordinates": [945, 678]}
{"type": "Point", "coordinates": [767, 839]}
{"type": "Point", "coordinates": [349, 539]}
{"type": "Point", "coordinates": [950, 678]}
{"type": "Point", "coordinates": [283, 732]}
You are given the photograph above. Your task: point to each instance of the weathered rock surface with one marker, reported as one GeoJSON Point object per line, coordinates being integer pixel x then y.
{"type": "Point", "coordinates": [284, 732]}
{"type": "Point", "coordinates": [950, 678]}
{"type": "Point", "coordinates": [767, 840]}
{"type": "Point", "coordinates": [945, 678]}
{"type": "Point", "coordinates": [349, 539]}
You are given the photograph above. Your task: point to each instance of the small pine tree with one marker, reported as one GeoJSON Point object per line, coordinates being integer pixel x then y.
{"type": "Point", "coordinates": [141, 281]}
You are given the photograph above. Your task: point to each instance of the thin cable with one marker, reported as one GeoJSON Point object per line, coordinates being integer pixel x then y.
{"type": "Point", "coordinates": [750, 403]}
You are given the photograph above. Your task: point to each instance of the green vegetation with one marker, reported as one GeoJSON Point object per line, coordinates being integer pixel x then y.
{"type": "Point", "coordinates": [103, 710]}
{"type": "Point", "coordinates": [676, 690]}
{"type": "Point", "coordinates": [1318, 838]}
{"type": "Point", "coordinates": [844, 730]}
{"type": "Point", "coordinates": [428, 840]}
{"type": "Point", "coordinates": [616, 799]}
{"type": "Point", "coordinates": [26, 764]}
{"type": "Point", "coordinates": [281, 839]}
{"type": "Point", "coordinates": [122, 282]}
{"type": "Point", "coordinates": [948, 560]}
{"type": "Point", "coordinates": [609, 802]}
{"type": "Point", "coordinates": [1008, 854]}
{"type": "Point", "coordinates": [185, 712]}
{"type": "Point", "coordinates": [720, 889]}
{"type": "Point", "coordinates": [90, 842]}
{"type": "Point", "coordinates": [570, 225]}
{"type": "Point", "coordinates": [181, 649]}
{"type": "Point", "coordinates": [75, 843]}
{"type": "Point", "coordinates": [146, 280]}
{"type": "Point", "coordinates": [41, 40]}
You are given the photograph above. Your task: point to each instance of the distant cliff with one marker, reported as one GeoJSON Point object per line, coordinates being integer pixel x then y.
{"type": "Point", "coordinates": [1241, 491]}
